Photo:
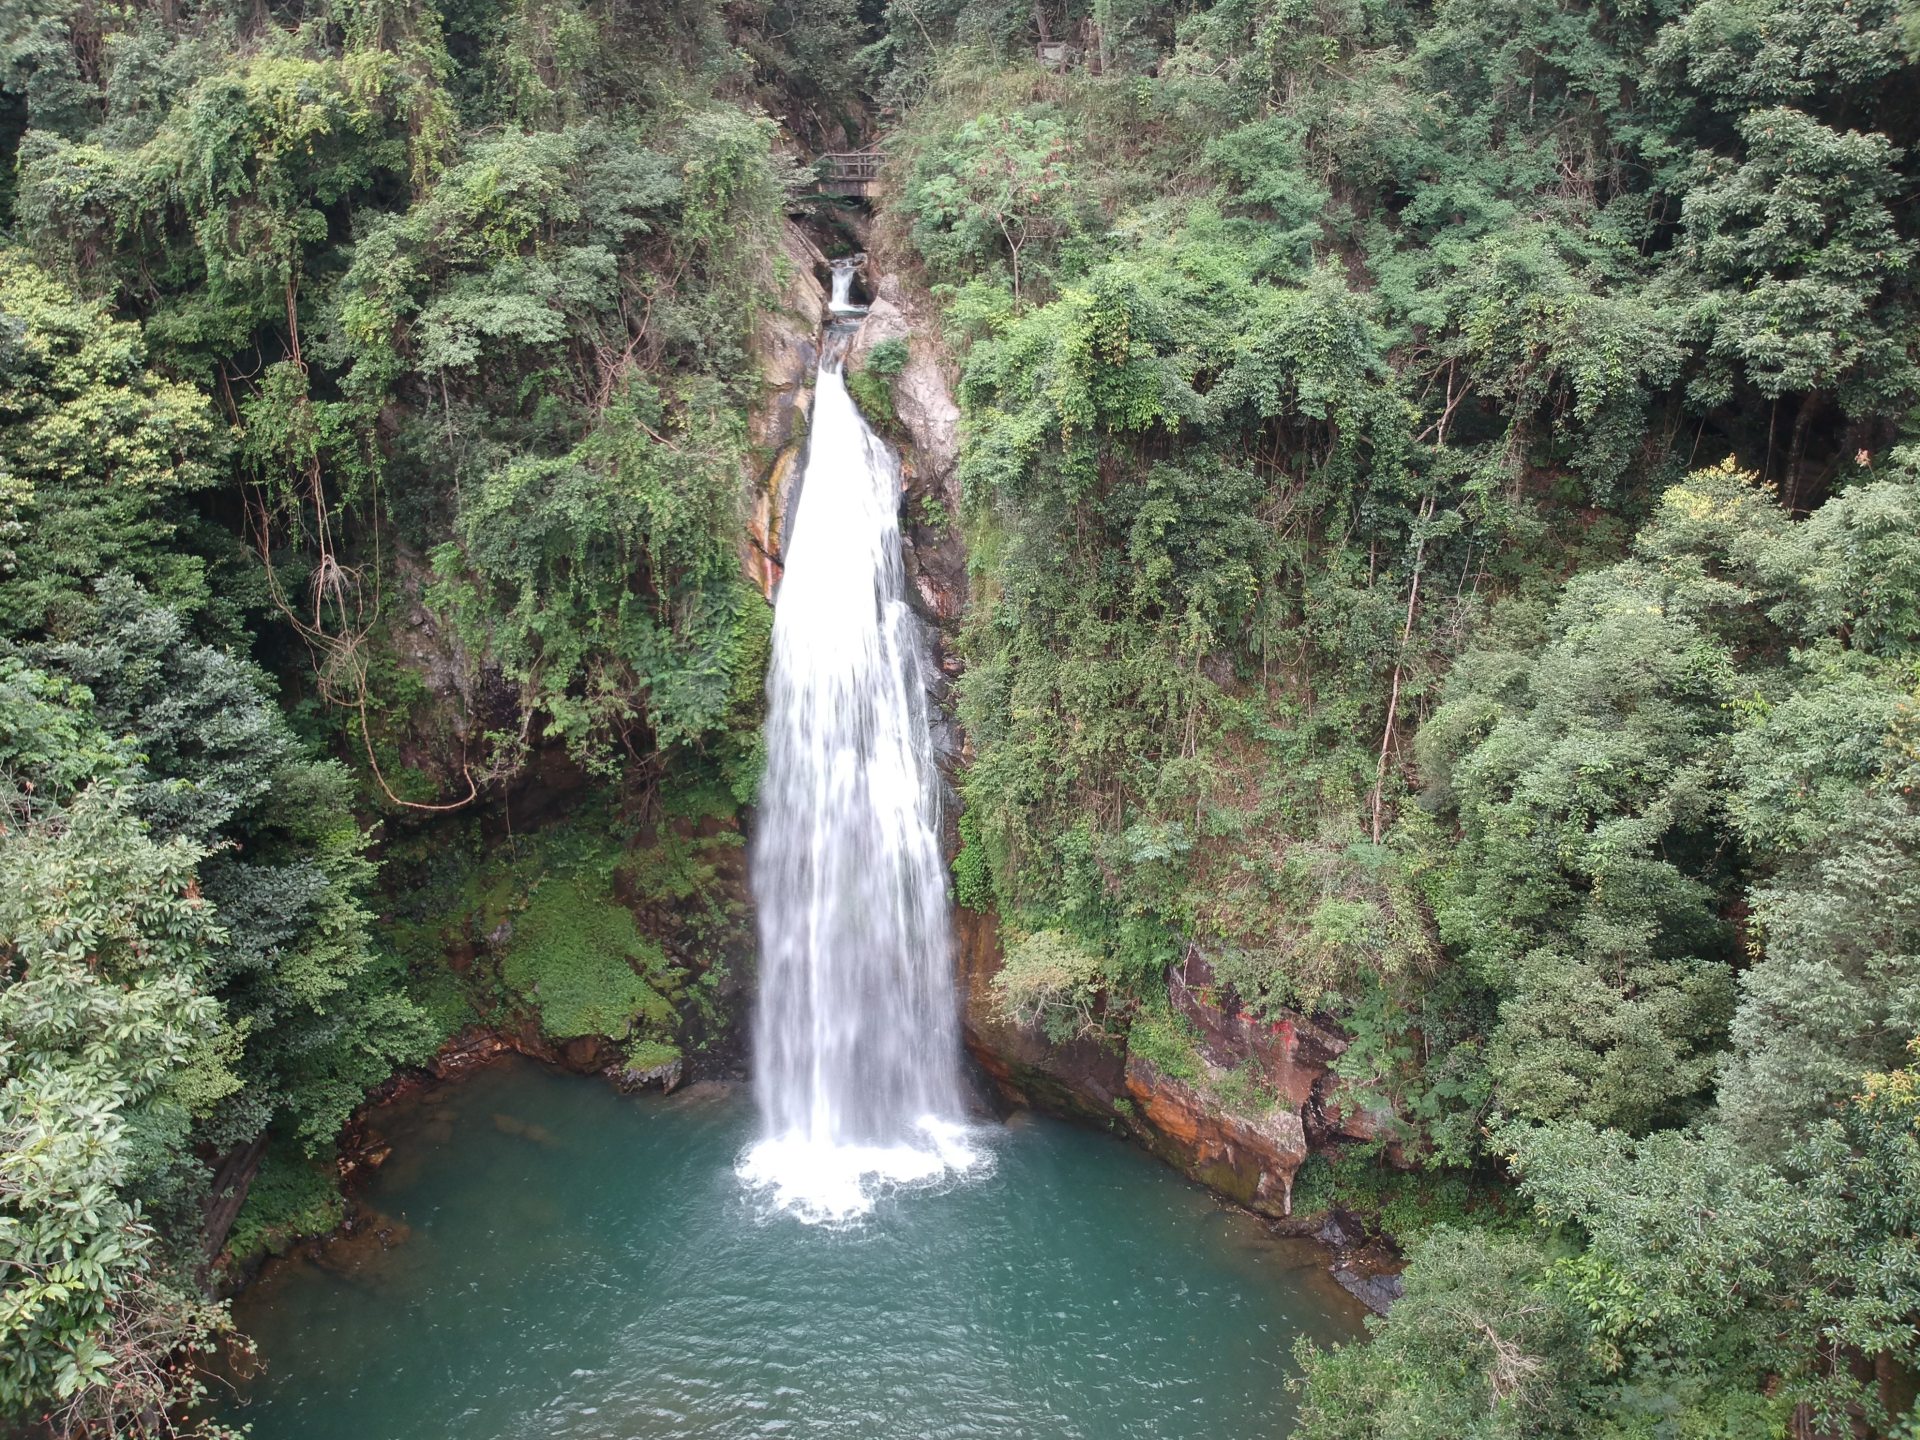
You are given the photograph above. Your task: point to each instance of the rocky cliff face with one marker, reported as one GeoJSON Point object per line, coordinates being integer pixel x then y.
{"type": "Point", "coordinates": [786, 347]}
{"type": "Point", "coordinates": [936, 558]}
{"type": "Point", "coordinates": [1257, 1099]}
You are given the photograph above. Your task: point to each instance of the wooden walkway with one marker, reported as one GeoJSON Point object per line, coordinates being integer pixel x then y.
{"type": "Point", "coordinates": [850, 172]}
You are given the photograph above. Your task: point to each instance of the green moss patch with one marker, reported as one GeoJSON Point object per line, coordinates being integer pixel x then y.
{"type": "Point", "coordinates": [578, 957]}
{"type": "Point", "coordinates": [645, 1055]}
{"type": "Point", "coordinates": [1166, 1040]}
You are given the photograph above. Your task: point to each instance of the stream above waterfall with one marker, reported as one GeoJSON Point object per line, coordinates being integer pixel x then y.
{"type": "Point", "coordinates": [568, 1262]}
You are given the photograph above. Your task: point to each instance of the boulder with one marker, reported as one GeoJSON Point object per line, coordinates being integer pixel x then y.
{"type": "Point", "coordinates": [628, 1078]}
{"type": "Point", "coordinates": [1205, 1124]}
{"type": "Point", "coordinates": [1377, 1292]}
{"type": "Point", "coordinates": [1292, 1053]}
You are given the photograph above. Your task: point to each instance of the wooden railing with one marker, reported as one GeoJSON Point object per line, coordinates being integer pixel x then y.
{"type": "Point", "coordinates": [858, 166]}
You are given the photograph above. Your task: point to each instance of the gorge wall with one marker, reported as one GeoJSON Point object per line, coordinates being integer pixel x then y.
{"type": "Point", "coordinates": [1242, 1112]}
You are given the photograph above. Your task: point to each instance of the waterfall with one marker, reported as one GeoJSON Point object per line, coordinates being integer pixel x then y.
{"type": "Point", "coordinates": [842, 285]}
{"type": "Point", "coordinates": [857, 1056]}
{"type": "Point", "coordinates": [841, 302]}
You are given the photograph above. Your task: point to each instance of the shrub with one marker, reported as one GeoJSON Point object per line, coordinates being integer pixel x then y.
{"type": "Point", "coordinates": [1052, 979]}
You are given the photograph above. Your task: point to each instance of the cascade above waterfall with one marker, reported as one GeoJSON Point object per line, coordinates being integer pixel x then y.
{"type": "Point", "coordinates": [857, 1052]}
{"type": "Point", "coordinates": [841, 301]}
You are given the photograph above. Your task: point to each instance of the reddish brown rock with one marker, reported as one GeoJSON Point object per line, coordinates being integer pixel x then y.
{"type": "Point", "coordinates": [1250, 1158]}
{"type": "Point", "coordinates": [1083, 1078]}
{"type": "Point", "coordinates": [1285, 1100]}
{"type": "Point", "coordinates": [1292, 1054]}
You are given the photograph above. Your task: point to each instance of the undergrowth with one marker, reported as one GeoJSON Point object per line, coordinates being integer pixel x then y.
{"type": "Point", "coordinates": [292, 1195]}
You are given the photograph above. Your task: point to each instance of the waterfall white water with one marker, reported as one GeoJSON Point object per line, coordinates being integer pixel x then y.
{"type": "Point", "coordinates": [841, 301]}
{"type": "Point", "coordinates": [856, 1048]}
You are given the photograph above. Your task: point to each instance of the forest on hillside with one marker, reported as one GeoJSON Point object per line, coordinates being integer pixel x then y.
{"type": "Point", "coordinates": [1442, 501]}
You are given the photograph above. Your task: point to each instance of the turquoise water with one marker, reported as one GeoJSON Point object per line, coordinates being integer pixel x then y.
{"type": "Point", "coordinates": [567, 1262]}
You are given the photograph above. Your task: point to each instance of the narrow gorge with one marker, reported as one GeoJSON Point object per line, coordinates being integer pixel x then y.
{"type": "Point", "coordinates": [881, 719]}
{"type": "Point", "coordinates": [923, 1244]}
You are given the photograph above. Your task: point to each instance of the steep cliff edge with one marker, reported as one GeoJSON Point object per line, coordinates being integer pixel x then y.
{"type": "Point", "coordinates": [927, 425]}
{"type": "Point", "coordinates": [786, 350]}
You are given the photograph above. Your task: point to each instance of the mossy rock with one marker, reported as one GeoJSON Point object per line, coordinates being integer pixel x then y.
{"type": "Point", "coordinates": [873, 394]}
{"type": "Point", "coordinates": [581, 960]}
{"type": "Point", "coordinates": [292, 1195]}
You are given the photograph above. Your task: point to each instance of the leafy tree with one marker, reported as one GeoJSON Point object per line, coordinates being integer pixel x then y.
{"type": "Point", "coordinates": [214, 761]}
{"type": "Point", "coordinates": [1802, 259]}
{"type": "Point", "coordinates": [1483, 1345]}
{"type": "Point", "coordinates": [1739, 55]}
{"type": "Point", "coordinates": [556, 547]}
{"type": "Point", "coordinates": [1711, 1264]}
{"type": "Point", "coordinates": [106, 945]}
{"type": "Point", "coordinates": [96, 453]}
{"type": "Point", "coordinates": [1053, 980]}
{"type": "Point", "coordinates": [1584, 787]}
{"type": "Point", "coordinates": [1003, 185]}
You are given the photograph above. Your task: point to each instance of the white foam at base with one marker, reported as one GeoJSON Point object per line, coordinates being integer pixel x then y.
{"type": "Point", "coordinates": [824, 1184]}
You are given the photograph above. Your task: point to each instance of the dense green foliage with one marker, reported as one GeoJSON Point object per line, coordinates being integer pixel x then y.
{"type": "Point", "coordinates": [1446, 552]}
{"type": "Point", "coordinates": [372, 430]}
{"type": "Point", "coordinates": [190, 964]}
{"type": "Point", "coordinates": [1443, 559]}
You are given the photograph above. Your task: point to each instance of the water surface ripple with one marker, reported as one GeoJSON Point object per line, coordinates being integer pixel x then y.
{"type": "Point", "coordinates": [579, 1265]}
